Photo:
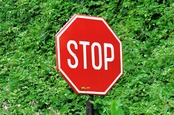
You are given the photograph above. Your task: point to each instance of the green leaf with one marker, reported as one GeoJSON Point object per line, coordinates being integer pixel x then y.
{"type": "Point", "coordinates": [116, 108]}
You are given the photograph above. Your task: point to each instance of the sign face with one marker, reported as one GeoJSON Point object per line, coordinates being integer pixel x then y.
{"type": "Point", "coordinates": [89, 55]}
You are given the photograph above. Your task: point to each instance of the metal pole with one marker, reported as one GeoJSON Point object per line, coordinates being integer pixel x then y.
{"type": "Point", "coordinates": [90, 106]}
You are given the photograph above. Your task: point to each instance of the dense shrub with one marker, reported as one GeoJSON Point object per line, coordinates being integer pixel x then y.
{"type": "Point", "coordinates": [30, 84]}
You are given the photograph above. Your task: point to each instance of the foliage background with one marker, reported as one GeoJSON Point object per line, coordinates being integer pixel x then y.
{"type": "Point", "coordinates": [30, 84]}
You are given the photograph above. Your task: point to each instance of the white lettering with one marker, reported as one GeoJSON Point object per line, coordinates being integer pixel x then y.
{"type": "Point", "coordinates": [97, 60]}
{"type": "Point", "coordinates": [72, 42]}
{"type": "Point", "coordinates": [95, 44]}
{"type": "Point", "coordinates": [106, 58]}
{"type": "Point", "coordinates": [84, 44]}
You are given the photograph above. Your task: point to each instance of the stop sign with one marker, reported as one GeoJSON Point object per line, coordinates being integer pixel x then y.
{"type": "Point", "coordinates": [88, 55]}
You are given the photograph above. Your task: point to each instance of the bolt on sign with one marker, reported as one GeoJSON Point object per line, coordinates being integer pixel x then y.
{"type": "Point", "coordinates": [89, 55]}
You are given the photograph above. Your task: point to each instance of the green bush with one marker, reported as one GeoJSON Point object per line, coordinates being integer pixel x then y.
{"type": "Point", "coordinates": [30, 84]}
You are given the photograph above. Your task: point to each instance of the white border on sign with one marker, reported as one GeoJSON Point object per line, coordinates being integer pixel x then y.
{"type": "Point", "coordinates": [62, 30]}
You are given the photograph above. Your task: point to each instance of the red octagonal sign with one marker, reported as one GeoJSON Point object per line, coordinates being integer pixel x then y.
{"type": "Point", "coordinates": [89, 55]}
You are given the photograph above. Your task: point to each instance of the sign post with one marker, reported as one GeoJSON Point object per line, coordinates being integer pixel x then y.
{"type": "Point", "coordinates": [90, 106]}
{"type": "Point", "coordinates": [89, 55]}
